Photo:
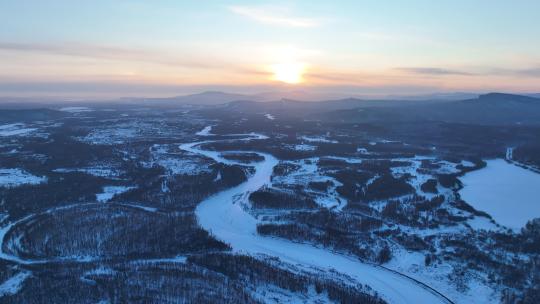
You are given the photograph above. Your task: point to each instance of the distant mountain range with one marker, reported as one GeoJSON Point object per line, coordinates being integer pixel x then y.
{"type": "Point", "coordinates": [217, 97]}
{"type": "Point", "coordinates": [487, 109]}
{"type": "Point", "coordinates": [208, 98]}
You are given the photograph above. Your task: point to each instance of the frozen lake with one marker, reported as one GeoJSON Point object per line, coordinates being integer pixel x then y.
{"type": "Point", "coordinates": [510, 194]}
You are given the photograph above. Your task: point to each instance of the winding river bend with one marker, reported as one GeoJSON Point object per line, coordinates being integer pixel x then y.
{"type": "Point", "coordinates": [223, 215]}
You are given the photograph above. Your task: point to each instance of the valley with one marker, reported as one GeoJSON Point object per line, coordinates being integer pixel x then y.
{"type": "Point", "coordinates": [348, 210]}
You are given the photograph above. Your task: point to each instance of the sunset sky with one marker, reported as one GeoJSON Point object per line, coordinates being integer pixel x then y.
{"type": "Point", "coordinates": [158, 48]}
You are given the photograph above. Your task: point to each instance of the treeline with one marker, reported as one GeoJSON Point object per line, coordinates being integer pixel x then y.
{"type": "Point", "coordinates": [206, 278]}
{"type": "Point", "coordinates": [180, 192]}
{"type": "Point", "coordinates": [128, 282]}
{"type": "Point", "coordinates": [258, 272]}
{"type": "Point", "coordinates": [341, 231]}
{"type": "Point", "coordinates": [276, 199]}
{"type": "Point", "coordinates": [60, 189]}
{"type": "Point", "coordinates": [245, 158]}
{"type": "Point", "coordinates": [528, 154]}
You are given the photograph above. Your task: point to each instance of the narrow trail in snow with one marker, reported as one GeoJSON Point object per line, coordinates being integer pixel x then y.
{"type": "Point", "coordinates": [224, 216]}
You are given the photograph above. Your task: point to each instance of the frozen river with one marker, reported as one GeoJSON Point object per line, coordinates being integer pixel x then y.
{"type": "Point", "coordinates": [510, 194]}
{"type": "Point", "coordinates": [223, 215]}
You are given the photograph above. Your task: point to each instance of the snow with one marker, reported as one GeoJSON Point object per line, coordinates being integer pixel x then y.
{"type": "Point", "coordinates": [15, 129]}
{"type": "Point", "coordinates": [232, 224]}
{"type": "Point", "coordinates": [110, 191]}
{"type": "Point", "coordinates": [418, 175]}
{"type": "Point", "coordinates": [5, 230]}
{"type": "Point", "coordinates": [270, 116]}
{"type": "Point", "coordinates": [177, 259]}
{"type": "Point", "coordinates": [205, 132]}
{"type": "Point", "coordinates": [137, 206]}
{"type": "Point", "coordinates": [437, 275]}
{"type": "Point", "coordinates": [95, 171]}
{"type": "Point", "coordinates": [14, 177]}
{"type": "Point", "coordinates": [302, 147]}
{"type": "Point", "coordinates": [510, 194]}
{"type": "Point", "coordinates": [101, 270]}
{"type": "Point", "coordinates": [510, 158]}
{"type": "Point", "coordinates": [466, 163]}
{"type": "Point", "coordinates": [349, 160]}
{"type": "Point", "coordinates": [509, 153]}
{"type": "Point", "coordinates": [186, 166]}
{"type": "Point", "coordinates": [482, 223]}
{"type": "Point", "coordinates": [75, 109]}
{"type": "Point", "coordinates": [176, 163]}
{"type": "Point", "coordinates": [362, 150]}
{"type": "Point", "coordinates": [308, 172]}
{"type": "Point", "coordinates": [273, 294]}
{"type": "Point", "coordinates": [110, 136]}
{"type": "Point", "coordinates": [12, 285]}
{"type": "Point", "coordinates": [318, 139]}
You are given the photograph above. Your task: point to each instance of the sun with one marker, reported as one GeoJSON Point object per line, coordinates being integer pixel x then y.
{"type": "Point", "coordinates": [289, 72]}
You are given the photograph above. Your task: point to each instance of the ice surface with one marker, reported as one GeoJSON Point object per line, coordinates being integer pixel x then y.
{"type": "Point", "coordinates": [510, 194]}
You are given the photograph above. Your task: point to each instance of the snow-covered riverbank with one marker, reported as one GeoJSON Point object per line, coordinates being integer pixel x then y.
{"type": "Point", "coordinates": [224, 216]}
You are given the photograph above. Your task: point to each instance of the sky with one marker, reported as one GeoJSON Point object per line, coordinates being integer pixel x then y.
{"type": "Point", "coordinates": [104, 48]}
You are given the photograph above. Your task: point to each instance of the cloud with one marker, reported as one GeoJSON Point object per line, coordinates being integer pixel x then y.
{"type": "Point", "coordinates": [106, 52]}
{"type": "Point", "coordinates": [533, 72]}
{"type": "Point", "coordinates": [274, 16]}
{"type": "Point", "coordinates": [435, 71]}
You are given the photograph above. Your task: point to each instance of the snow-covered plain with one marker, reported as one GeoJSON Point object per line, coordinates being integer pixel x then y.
{"type": "Point", "coordinates": [10, 178]}
{"type": "Point", "coordinates": [224, 216]}
{"type": "Point", "coordinates": [110, 191]}
{"type": "Point", "coordinates": [15, 129]}
{"type": "Point", "coordinates": [510, 194]}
